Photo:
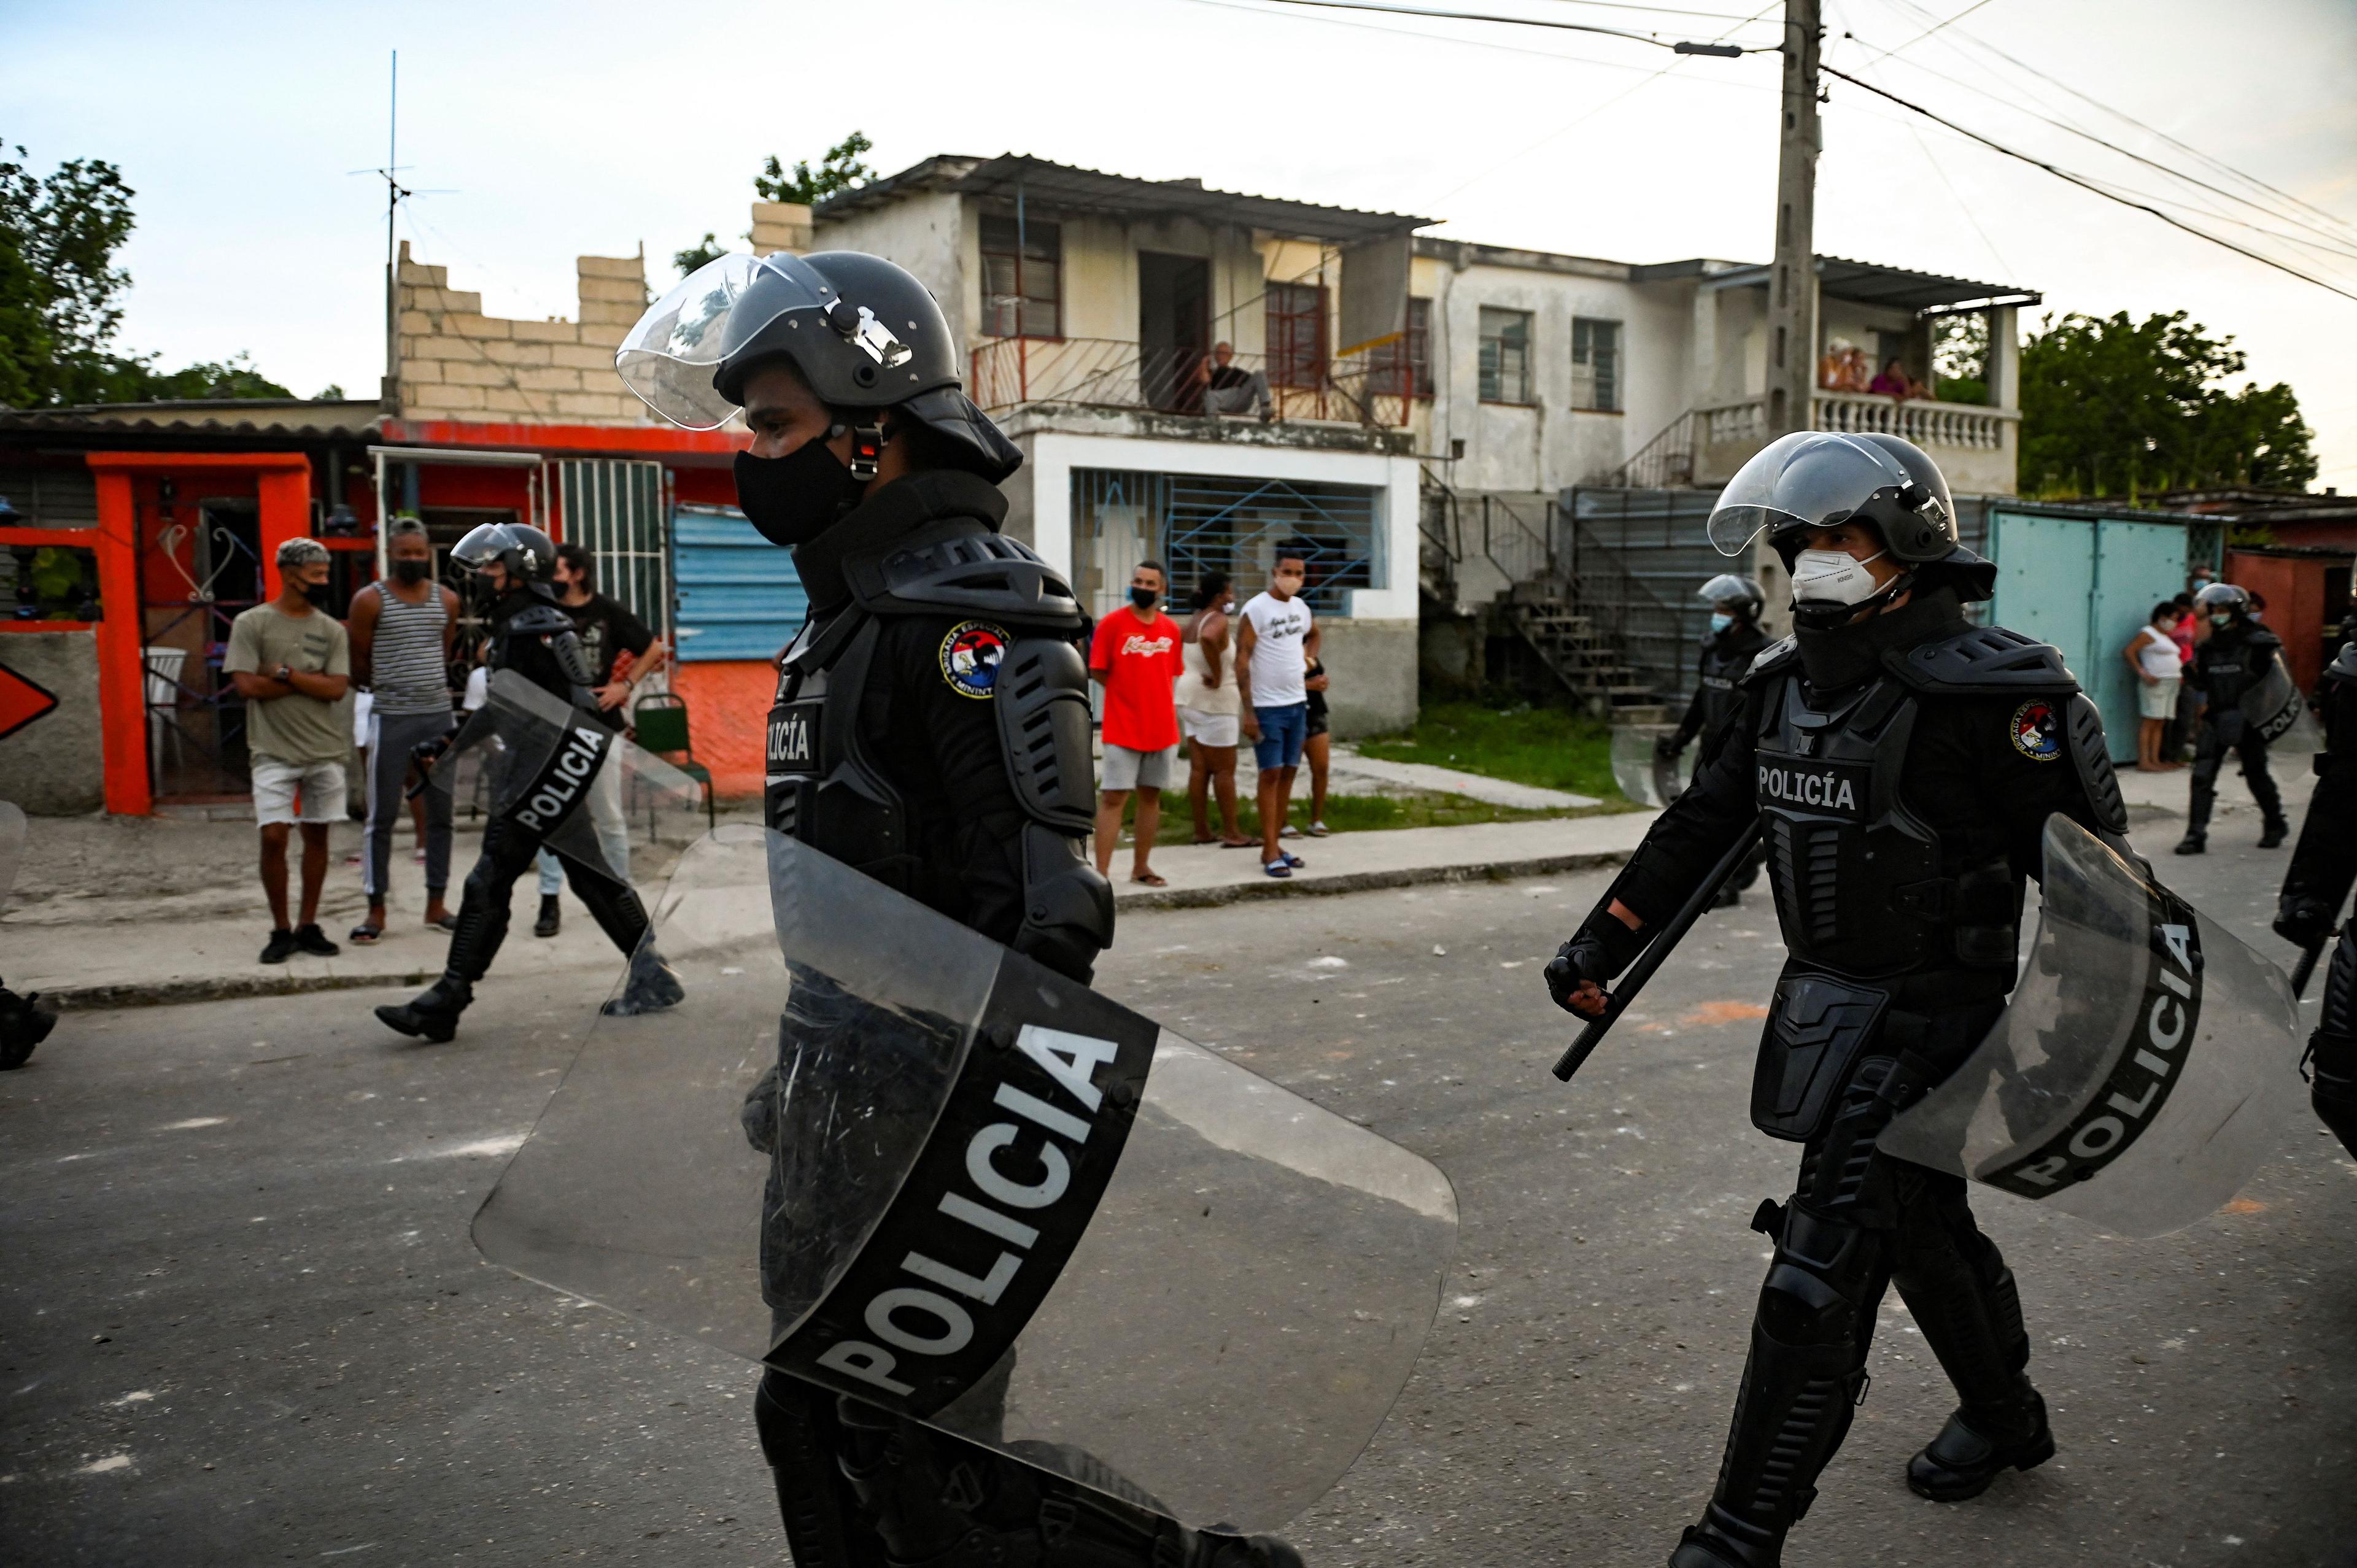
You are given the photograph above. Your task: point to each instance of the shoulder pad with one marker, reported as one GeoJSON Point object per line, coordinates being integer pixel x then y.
{"type": "Point", "coordinates": [1772, 658]}
{"type": "Point", "coordinates": [540, 620]}
{"type": "Point", "coordinates": [2345, 667]}
{"type": "Point", "coordinates": [967, 569]}
{"type": "Point", "coordinates": [1984, 660]}
{"type": "Point", "coordinates": [2262, 637]}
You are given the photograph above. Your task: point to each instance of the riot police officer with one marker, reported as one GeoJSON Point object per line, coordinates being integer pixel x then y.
{"type": "Point", "coordinates": [2228, 665]}
{"type": "Point", "coordinates": [931, 729]}
{"type": "Point", "coordinates": [1729, 648]}
{"type": "Point", "coordinates": [1901, 764]}
{"type": "Point", "coordinates": [511, 567]}
{"type": "Point", "coordinates": [2316, 888]}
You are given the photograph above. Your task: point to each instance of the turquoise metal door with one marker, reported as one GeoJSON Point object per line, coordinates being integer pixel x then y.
{"type": "Point", "coordinates": [2045, 585]}
{"type": "Point", "coordinates": [2137, 565]}
{"type": "Point", "coordinates": [738, 595]}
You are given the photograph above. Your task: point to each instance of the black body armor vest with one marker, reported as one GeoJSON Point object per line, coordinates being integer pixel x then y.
{"type": "Point", "coordinates": [1863, 887]}
{"type": "Point", "coordinates": [2234, 660]}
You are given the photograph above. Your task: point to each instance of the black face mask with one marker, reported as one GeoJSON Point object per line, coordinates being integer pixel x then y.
{"type": "Point", "coordinates": [1144, 598]}
{"type": "Point", "coordinates": [793, 500]}
{"type": "Point", "coordinates": [411, 571]}
{"type": "Point", "coordinates": [317, 593]}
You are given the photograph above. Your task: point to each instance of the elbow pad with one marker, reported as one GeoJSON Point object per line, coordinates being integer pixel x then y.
{"type": "Point", "coordinates": [1042, 696]}
{"type": "Point", "coordinates": [1067, 907]}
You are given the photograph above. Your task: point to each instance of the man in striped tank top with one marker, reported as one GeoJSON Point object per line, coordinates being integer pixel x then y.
{"type": "Point", "coordinates": [402, 629]}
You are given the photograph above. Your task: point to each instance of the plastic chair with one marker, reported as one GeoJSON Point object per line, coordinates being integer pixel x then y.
{"type": "Point", "coordinates": [658, 724]}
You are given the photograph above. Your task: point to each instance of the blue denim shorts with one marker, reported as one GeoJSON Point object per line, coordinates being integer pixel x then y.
{"type": "Point", "coordinates": [1282, 731]}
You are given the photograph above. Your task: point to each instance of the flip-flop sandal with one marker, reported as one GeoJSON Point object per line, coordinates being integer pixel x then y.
{"type": "Point", "coordinates": [1207, 838]}
{"type": "Point", "coordinates": [1277, 868]}
{"type": "Point", "coordinates": [1295, 861]}
{"type": "Point", "coordinates": [1151, 879]}
{"type": "Point", "coordinates": [1318, 830]}
{"type": "Point", "coordinates": [364, 936]}
{"type": "Point", "coordinates": [1239, 843]}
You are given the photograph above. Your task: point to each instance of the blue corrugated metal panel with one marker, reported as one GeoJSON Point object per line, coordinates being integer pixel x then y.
{"type": "Point", "coordinates": [738, 595]}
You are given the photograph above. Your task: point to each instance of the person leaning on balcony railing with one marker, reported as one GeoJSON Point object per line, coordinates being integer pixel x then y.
{"type": "Point", "coordinates": [1228, 389]}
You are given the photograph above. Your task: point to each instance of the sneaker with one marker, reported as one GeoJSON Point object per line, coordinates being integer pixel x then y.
{"type": "Point", "coordinates": [281, 947]}
{"type": "Point", "coordinates": [310, 939]}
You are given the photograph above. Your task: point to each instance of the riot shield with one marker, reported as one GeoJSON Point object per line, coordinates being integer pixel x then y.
{"type": "Point", "coordinates": [2141, 1071]}
{"type": "Point", "coordinates": [884, 1153]}
{"type": "Point", "coordinates": [1645, 776]}
{"type": "Point", "coordinates": [12, 846]}
{"type": "Point", "coordinates": [539, 759]}
{"type": "Point", "coordinates": [2278, 711]}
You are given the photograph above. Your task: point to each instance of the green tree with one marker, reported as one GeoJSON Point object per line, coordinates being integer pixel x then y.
{"type": "Point", "coordinates": [2111, 406]}
{"type": "Point", "coordinates": [839, 170]}
{"type": "Point", "coordinates": [61, 292]}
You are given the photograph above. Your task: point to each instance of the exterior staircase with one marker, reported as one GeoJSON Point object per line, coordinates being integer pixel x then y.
{"type": "Point", "coordinates": [1548, 615]}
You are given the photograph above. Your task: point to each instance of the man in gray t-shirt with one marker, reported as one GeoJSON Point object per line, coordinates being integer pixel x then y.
{"type": "Point", "coordinates": [292, 663]}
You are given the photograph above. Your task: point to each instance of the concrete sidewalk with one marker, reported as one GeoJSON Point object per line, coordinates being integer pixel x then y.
{"type": "Point", "coordinates": [118, 913]}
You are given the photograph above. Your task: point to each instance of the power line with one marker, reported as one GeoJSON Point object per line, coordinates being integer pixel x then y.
{"type": "Point", "coordinates": [1937, 26]}
{"type": "Point", "coordinates": [1460, 40]}
{"type": "Point", "coordinates": [1680, 46]}
{"type": "Point", "coordinates": [1658, 10]}
{"type": "Point", "coordinates": [2170, 170]}
{"type": "Point", "coordinates": [2188, 148]}
{"type": "Point", "coordinates": [2085, 184]}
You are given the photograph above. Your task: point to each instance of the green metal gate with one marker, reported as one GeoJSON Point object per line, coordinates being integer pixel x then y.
{"type": "Point", "coordinates": [614, 507]}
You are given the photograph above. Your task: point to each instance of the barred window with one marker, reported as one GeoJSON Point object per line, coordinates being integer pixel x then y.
{"type": "Point", "coordinates": [1595, 364]}
{"type": "Point", "coordinates": [1505, 355]}
{"type": "Point", "coordinates": [1022, 279]}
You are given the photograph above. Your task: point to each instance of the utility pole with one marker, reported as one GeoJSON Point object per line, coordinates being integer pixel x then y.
{"type": "Point", "coordinates": [390, 393]}
{"type": "Point", "coordinates": [1792, 282]}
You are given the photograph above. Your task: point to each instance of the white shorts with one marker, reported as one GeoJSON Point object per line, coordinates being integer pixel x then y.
{"type": "Point", "coordinates": [2159, 700]}
{"type": "Point", "coordinates": [276, 784]}
{"type": "Point", "coordinates": [1212, 729]}
{"type": "Point", "coordinates": [1127, 769]}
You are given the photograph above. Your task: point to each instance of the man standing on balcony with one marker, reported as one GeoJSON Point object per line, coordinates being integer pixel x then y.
{"type": "Point", "coordinates": [1274, 650]}
{"type": "Point", "coordinates": [1229, 390]}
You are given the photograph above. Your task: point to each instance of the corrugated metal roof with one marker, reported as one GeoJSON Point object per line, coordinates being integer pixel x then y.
{"type": "Point", "coordinates": [1872, 282]}
{"type": "Point", "coordinates": [1054, 186]}
{"type": "Point", "coordinates": [311, 417]}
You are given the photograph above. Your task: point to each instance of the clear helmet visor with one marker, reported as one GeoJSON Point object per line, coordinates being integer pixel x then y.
{"type": "Point", "coordinates": [1727, 587]}
{"type": "Point", "coordinates": [483, 544]}
{"type": "Point", "coordinates": [669, 358]}
{"type": "Point", "coordinates": [1800, 480]}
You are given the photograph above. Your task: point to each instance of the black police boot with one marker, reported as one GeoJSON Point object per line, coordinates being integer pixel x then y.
{"type": "Point", "coordinates": [650, 988]}
{"type": "Point", "coordinates": [2273, 833]}
{"type": "Point", "coordinates": [546, 925]}
{"type": "Point", "coordinates": [1728, 897]}
{"type": "Point", "coordinates": [23, 1025]}
{"type": "Point", "coordinates": [432, 1014]}
{"type": "Point", "coordinates": [2195, 842]}
{"type": "Point", "coordinates": [1963, 1459]}
{"type": "Point", "coordinates": [1721, 1541]}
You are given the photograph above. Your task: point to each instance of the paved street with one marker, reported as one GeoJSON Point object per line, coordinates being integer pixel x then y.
{"type": "Point", "coordinates": [242, 1321]}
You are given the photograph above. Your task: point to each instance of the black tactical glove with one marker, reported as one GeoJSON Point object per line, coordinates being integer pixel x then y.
{"type": "Point", "coordinates": [1668, 747]}
{"type": "Point", "coordinates": [426, 752]}
{"type": "Point", "coordinates": [1602, 949]}
{"type": "Point", "coordinates": [2303, 920]}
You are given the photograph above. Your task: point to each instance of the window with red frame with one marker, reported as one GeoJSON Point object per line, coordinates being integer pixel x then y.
{"type": "Point", "coordinates": [1297, 335]}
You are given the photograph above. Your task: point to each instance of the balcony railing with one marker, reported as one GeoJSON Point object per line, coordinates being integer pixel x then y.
{"type": "Point", "coordinates": [1926, 423]}
{"type": "Point", "coordinates": [1111, 372]}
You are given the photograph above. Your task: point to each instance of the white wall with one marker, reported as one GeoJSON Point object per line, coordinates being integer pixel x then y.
{"type": "Point", "coordinates": [1054, 453]}
{"type": "Point", "coordinates": [922, 231]}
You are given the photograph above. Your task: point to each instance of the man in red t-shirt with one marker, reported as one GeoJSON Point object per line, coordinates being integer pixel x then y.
{"type": "Point", "coordinates": [1134, 656]}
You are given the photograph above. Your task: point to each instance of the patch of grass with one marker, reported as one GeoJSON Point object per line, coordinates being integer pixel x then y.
{"type": "Point", "coordinates": [1549, 748]}
{"type": "Point", "coordinates": [1345, 814]}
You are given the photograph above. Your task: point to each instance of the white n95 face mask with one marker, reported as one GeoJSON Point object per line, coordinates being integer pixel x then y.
{"type": "Point", "coordinates": [1833, 576]}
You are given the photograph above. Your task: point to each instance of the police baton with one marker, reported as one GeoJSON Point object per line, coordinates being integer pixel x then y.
{"type": "Point", "coordinates": [1616, 1001]}
{"type": "Point", "coordinates": [2306, 967]}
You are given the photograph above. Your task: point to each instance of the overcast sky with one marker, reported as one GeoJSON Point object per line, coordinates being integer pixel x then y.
{"type": "Point", "coordinates": [593, 127]}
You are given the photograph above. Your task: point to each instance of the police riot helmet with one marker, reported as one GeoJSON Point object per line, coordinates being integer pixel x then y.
{"type": "Point", "coordinates": [1813, 478]}
{"type": "Point", "coordinates": [862, 331]}
{"type": "Point", "coordinates": [1742, 593]}
{"type": "Point", "coordinates": [528, 554]}
{"type": "Point", "coordinates": [2222, 598]}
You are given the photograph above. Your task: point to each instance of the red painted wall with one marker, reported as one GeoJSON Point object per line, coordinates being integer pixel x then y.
{"type": "Point", "coordinates": [729, 714]}
{"type": "Point", "coordinates": [2294, 587]}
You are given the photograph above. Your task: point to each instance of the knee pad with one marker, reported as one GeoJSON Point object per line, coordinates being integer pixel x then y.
{"type": "Point", "coordinates": [1816, 1286]}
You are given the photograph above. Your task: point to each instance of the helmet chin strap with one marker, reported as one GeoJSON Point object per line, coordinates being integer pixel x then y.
{"type": "Point", "coordinates": [1819, 615]}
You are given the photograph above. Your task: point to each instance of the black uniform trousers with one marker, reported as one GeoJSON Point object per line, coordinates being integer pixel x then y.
{"type": "Point", "coordinates": [508, 851]}
{"type": "Point", "coordinates": [2334, 1061]}
{"type": "Point", "coordinates": [1860, 1221]}
{"type": "Point", "coordinates": [2222, 732]}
